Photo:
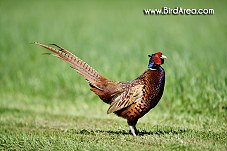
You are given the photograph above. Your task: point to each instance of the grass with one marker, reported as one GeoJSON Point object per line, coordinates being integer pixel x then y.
{"type": "Point", "coordinates": [45, 105]}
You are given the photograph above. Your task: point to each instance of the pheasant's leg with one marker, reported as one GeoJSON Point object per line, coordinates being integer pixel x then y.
{"type": "Point", "coordinates": [132, 125]}
{"type": "Point", "coordinates": [133, 130]}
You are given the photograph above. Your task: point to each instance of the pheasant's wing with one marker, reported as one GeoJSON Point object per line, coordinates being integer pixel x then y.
{"type": "Point", "coordinates": [126, 98]}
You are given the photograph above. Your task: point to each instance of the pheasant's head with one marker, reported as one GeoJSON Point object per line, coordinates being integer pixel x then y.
{"type": "Point", "coordinates": [156, 59]}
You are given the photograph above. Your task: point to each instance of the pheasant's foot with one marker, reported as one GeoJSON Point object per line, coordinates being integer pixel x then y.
{"type": "Point", "coordinates": [133, 130]}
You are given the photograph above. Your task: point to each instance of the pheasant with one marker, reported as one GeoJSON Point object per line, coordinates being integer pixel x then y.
{"type": "Point", "coordinates": [130, 100]}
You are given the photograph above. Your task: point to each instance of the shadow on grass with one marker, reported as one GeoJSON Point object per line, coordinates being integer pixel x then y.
{"type": "Point", "coordinates": [140, 133]}
{"type": "Point", "coordinates": [167, 131]}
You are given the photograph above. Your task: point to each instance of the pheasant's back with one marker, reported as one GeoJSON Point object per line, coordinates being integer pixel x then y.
{"type": "Point", "coordinates": [153, 85]}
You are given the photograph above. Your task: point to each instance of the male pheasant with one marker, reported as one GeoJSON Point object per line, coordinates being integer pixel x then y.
{"type": "Point", "coordinates": [130, 100]}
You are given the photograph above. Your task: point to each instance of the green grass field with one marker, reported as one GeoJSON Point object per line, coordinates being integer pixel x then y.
{"type": "Point", "coordinates": [45, 105]}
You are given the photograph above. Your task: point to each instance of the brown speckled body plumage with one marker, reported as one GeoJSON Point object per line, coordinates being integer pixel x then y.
{"type": "Point", "coordinates": [153, 85]}
{"type": "Point", "coordinates": [130, 100]}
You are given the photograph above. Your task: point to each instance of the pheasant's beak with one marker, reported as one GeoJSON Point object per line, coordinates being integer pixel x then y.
{"type": "Point", "coordinates": [163, 57]}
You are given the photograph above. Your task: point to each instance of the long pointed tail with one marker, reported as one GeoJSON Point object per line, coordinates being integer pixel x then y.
{"type": "Point", "coordinates": [79, 65]}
